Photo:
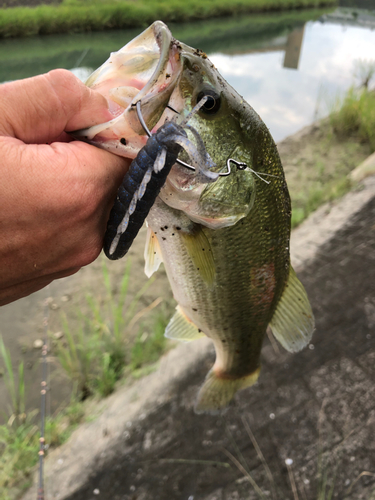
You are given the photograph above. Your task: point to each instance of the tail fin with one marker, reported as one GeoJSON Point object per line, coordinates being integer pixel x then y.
{"type": "Point", "coordinates": [217, 392]}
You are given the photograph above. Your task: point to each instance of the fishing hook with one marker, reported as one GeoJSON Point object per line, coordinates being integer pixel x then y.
{"type": "Point", "coordinates": [146, 129]}
{"type": "Point", "coordinates": [239, 164]}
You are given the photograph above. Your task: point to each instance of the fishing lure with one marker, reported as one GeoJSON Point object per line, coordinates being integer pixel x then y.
{"type": "Point", "coordinates": [140, 187]}
{"type": "Point", "coordinates": [147, 175]}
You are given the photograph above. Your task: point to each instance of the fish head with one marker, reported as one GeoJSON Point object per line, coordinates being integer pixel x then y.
{"type": "Point", "coordinates": [169, 78]}
{"type": "Point", "coordinates": [227, 126]}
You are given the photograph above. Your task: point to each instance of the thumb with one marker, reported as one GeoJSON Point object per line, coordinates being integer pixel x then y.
{"type": "Point", "coordinates": [37, 110]}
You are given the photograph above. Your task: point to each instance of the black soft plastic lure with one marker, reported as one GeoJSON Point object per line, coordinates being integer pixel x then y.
{"type": "Point", "coordinates": [140, 187]}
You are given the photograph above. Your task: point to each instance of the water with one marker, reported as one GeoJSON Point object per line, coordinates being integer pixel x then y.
{"type": "Point", "coordinates": [288, 99]}
{"type": "Point", "coordinates": [289, 67]}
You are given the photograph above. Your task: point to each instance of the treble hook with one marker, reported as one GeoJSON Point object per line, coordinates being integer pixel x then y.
{"type": "Point", "coordinates": [239, 164]}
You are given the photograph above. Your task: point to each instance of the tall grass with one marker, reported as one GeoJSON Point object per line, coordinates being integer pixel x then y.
{"type": "Point", "coordinates": [98, 348]}
{"type": "Point", "coordinates": [355, 115]}
{"type": "Point", "coordinates": [351, 122]}
{"type": "Point", "coordinates": [82, 15]}
{"type": "Point", "coordinates": [94, 355]}
{"type": "Point", "coordinates": [15, 387]}
{"type": "Point", "coordinates": [149, 345]}
{"type": "Point", "coordinates": [18, 437]}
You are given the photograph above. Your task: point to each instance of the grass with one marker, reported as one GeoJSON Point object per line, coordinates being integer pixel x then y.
{"type": "Point", "coordinates": [355, 115]}
{"type": "Point", "coordinates": [19, 446]}
{"type": "Point", "coordinates": [18, 440]}
{"type": "Point", "coordinates": [307, 201]}
{"type": "Point", "coordinates": [95, 353]}
{"type": "Point", "coordinates": [83, 15]}
{"type": "Point", "coordinates": [344, 140]}
{"type": "Point", "coordinates": [149, 346]}
{"type": "Point", "coordinates": [19, 436]}
{"type": "Point", "coordinates": [16, 388]}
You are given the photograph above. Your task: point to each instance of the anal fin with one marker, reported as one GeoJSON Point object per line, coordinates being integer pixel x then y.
{"type": "Point", "coordinates": [293, 321]}
{"type": "Point", "coordinates": [181, 328]}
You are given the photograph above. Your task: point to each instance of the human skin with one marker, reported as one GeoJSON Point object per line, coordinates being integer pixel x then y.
{"type": "Point", "coordinates": [56, 193]}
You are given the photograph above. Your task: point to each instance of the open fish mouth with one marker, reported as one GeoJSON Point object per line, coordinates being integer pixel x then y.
{"type": "Point", "coordinates": [147, 69]}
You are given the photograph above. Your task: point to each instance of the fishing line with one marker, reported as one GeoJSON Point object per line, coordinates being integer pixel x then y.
{"type": "Point", "coordinates": [43, 400]}
{"type": "Point", "coordinates": [240, 165]}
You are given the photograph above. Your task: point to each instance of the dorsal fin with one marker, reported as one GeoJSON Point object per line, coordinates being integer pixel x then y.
{"type": "Point", "coordinates": [293, 321]}
{"type": "Point", "coordinates": [181, 328]}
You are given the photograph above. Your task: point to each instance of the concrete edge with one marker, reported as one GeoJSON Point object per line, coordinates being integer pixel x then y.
{"type": "Point", "coordinates": [322, 225]}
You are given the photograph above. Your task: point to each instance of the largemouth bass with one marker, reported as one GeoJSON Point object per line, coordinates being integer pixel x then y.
{"type": "Point", "coordinates": [224, 244]}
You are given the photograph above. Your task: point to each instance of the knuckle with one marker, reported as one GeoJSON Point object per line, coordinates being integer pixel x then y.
{"type": "Point", "coordinates": [90, 251]}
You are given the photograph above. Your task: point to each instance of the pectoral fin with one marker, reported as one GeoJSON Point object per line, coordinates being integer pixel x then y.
{"type": "Point", "coordinates": [200, 252]}
{"type": "Point", "coordinates": [153, 257]}
{"type": "Point", "coordinates": [181, 328]}
{"type": "Point", "coordinates": [293, 321]}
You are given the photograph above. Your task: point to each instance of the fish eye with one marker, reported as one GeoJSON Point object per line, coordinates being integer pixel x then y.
{"type": "Point", "coordinates": [212, 105]}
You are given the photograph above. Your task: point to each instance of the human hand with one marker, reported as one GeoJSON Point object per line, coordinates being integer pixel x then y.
{"type": "Point", "coordinates": [56, 194]}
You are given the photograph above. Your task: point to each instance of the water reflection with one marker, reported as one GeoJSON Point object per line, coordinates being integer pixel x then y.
{"type": "Point", "coordinates": [293, 48]}
{"type": "Point", "coordinates": [287, 99]}
{"type": "Point", "coordinates": [287, 66]}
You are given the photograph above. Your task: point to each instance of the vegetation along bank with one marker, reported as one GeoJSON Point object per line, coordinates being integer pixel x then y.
{"type": "Point", "coordinates": [18, 18]}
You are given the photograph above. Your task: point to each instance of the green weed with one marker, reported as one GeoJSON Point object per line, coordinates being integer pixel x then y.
{"type": "Point", "coordinates": [355, 115]}
{"type": "Point", "coordinates": [19, 445]}
{"type": "Point", "coordinates": [18, 452]}
{"type": "Point", "coordinates": [18, 437]}
{"type": "Point", "coordinates": [351, 126]}
{"type": "Point", "coordinates": [95, 353]}
{"type": "Point", "coordinates": [148, 346]}
{"type": "Point", "coordinates": [16, 388]}
{"type": "Point", "coordinates": [317, 194]}
{"type": "Point", "coordinates": [82, 15]}
{"type": "Point", "coordinates": [364, 71]}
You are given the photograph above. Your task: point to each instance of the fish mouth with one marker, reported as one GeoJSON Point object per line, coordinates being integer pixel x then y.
{"type": "Point", "coordinates": [147, 69]}
{"type": "Point", "coordinates": [156, 92]}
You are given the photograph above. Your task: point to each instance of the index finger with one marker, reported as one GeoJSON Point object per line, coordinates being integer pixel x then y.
{"type": "Point", "coordinates": [38, 109]}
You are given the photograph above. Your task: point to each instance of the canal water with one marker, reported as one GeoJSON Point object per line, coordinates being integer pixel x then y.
{"type": "Point", "coordinates": [290, 67]}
